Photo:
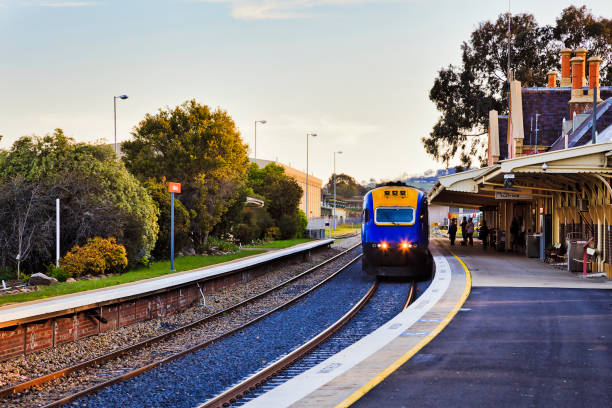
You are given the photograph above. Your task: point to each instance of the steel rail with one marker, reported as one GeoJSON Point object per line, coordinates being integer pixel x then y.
{"type": "Point", "coordinates": [140, 370]}
{"type": "Point", "coordinates": [236, 392]}
{"type": "Point", "coordinates": [411, 295]}
{"type": "Point", "coordinates": [15, 389]}
{"type": "Point", "coordinates": [233, 394]}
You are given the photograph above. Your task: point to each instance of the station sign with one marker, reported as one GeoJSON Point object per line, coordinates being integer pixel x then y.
{"type": "Point", "coordinates": [504, 195]}
{"type": "Point", "coordinates": [174, 187]}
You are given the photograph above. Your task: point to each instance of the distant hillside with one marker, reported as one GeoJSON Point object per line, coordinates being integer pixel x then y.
{"type": "Point", "coordinates": [423, 182]}
{"type": "Point", "coordinates": [427, 180]}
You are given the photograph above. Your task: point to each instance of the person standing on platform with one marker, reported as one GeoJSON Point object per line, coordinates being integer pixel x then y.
{"type": "Point", "coordinates": [514, 230]}
{"type": "Point", "coordinates": [483, 234]}
{"type": "Point", "coordinates": [452, 231]}
{"type": "Point", "coordinates": [470, 232]}
{"type": "Point", "coordinates": [463, 231]}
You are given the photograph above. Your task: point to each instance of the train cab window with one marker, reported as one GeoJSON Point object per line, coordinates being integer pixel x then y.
{"type": "Point", "coordinates": [394, 215]}
{"type": "Point", "coordinates": [365, 216]}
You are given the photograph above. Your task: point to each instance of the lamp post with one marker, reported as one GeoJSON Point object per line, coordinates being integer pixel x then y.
{"type": "Point", "coordinates": [313, 135]}
{"type": "Point", "coordinates": [263, 122]}
{"type": "Point", "coordinates": [334, 214]}
{"type": "Point", "coordinates": [115, 111]}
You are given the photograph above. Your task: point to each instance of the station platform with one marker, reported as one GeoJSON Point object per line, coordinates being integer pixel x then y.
{"type": "Point", "coordinates": [493, 268]}
{"type": "Point", "coordinates": [506, 330]}
{"type": "Point", "coordinates": [345, 377]}
{"type": "Point", "coordinates": [25, 312]}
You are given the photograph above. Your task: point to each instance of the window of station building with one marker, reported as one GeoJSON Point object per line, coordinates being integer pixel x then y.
{"type": "Point", "coordinates": [394, 215]}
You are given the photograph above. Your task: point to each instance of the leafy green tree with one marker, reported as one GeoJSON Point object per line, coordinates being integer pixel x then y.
{"type": "Point", "coordinates": [346, 186]}
{"type": "Point", "coordinates": [282, 195]}
{"type": "Point", "coordinates": [577, 27]}
{"type": "Point", "coordinates": [465, 94]}
{"type": "Point", "coordinates": [99, 197]}
{"type": "Point", "coordinates": [160, 195]}
{"type": "Point", "coordinates": [197, 147]}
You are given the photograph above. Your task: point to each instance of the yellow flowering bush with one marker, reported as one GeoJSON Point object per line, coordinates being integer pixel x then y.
{"type": "Point", "coordinates": [98, 256]}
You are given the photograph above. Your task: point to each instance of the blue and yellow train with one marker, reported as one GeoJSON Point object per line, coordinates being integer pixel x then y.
{"type": "Point", "coordinates": [395, 233]}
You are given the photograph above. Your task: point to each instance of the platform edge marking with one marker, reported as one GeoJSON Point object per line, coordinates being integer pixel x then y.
{"type": "Point", "coordinates": [355, 396]}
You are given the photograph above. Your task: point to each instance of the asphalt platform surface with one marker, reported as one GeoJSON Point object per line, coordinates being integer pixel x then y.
{"type": "Point", "coordinates": [512, 347]}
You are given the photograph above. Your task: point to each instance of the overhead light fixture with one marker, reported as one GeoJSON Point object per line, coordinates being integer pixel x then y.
{"type": "Point", "coordinates": [508, 180]}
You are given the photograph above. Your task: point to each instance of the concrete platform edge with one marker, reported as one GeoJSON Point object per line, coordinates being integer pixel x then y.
{"type": "Point", "coordinates": [309, 388]}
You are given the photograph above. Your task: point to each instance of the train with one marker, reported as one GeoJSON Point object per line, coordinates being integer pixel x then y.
{"type": "Point", "coordinates": [395, 233]}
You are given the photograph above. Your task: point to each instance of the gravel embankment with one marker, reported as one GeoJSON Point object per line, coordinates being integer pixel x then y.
{"type": "Point", "coordinates": [198, 376]}
{"type": "Point", "coordinates": [25, 367]}
{"type": "Point", "coordinates": [385, 304]}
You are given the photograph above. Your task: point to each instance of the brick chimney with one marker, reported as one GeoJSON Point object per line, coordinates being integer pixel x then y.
{"type": "Point", "coordinates": [566, 74]}
{"type": "Point", "coordinates": [582, 52]}
{"type": "Point", "coordinates": [552, 79]}
{"type": "Point", "coordinates": [594, 76]}
{"type": "Point", "coordinates": [579, 101]}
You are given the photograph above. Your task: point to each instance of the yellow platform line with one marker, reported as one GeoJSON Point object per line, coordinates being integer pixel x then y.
{"type": "Point", "coordinates": [355, 396]}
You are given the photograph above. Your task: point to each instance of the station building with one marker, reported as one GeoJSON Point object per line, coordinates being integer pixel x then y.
{"type": "Point", "coordinates": [314, 186]}
{"type": "Point", "coordinates": [547, 179]}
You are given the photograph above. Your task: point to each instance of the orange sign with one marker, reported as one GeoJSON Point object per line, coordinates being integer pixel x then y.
{"type": "Point", "coordinates": [174, 187]}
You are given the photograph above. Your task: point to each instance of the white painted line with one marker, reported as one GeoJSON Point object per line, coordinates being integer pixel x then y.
{"type": "Point", "coordinates": [67, 302]}
{"type": "Point", "coordinates": [319, 375]}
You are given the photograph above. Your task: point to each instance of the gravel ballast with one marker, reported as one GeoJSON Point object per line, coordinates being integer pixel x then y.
{"type": "Point", "coordinates": [46, 361]}
{"type": "Point", "coordinates": [198, 376]}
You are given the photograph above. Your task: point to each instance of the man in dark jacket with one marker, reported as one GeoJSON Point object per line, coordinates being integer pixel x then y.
{"type": "Point", "coordinates": [484, 234]}
{"type": "Point", "coordinates": [464, 224]}
{"type": "Point", "coordinates": [452, 231]}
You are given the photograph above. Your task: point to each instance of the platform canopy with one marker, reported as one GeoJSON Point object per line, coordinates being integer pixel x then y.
{"type": "Point", "coordinates": [538, 175]}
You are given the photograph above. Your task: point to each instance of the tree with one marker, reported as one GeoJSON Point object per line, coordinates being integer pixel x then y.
{"type": "Point", "coordinates": [98, 196]}
{"type": "Point", "coordinates": [465, 94]}
{"type": "Point", "coordinates": [282, 196]}
{"type": "Point", "coordinates": [282, 193]}
{"type": "Point", "coordinates": [346, 186]}
{"type": "Point", "coordinates": [25, 219]}
{"type": "Point", "coordinates": [577, 27]}
{"type": "Point", "coordinates": [197, 147]}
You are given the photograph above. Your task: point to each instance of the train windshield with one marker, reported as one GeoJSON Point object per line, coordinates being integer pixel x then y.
{"type": "Point", "coordinates": [394, 215]}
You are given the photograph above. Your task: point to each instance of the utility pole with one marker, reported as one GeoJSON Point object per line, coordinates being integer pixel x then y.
{"type": "Point", "coordinates": [172, 188]}
{"type": "Point", "coordinates": [57, 232]}
{"type": "Point", "coordinates": [334, 213]}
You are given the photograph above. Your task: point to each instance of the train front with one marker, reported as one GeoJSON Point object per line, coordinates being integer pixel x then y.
{"type": "Point", "coordinates": [395, 233]}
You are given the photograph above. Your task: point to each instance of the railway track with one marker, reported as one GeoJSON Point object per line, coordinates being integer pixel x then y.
{"type": "Point", "coordinates": [167, 352]}
{"type": "Point", "coordinates": [259, 379]}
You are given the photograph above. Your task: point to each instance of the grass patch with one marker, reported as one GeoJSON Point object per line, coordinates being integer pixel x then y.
{"type": "Point", "coordinates": [183, 263]}
{"type": "Point", "coordinates": [345, 229]}
{"type": "Point", "coordinates": [281, 243]}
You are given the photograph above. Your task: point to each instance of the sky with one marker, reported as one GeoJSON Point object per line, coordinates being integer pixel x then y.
{"type": "Point", "coordinates": [356, 72]}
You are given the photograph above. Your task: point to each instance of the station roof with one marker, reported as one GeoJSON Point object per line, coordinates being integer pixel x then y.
{"type": "Point", "coordinates": [536, 175]}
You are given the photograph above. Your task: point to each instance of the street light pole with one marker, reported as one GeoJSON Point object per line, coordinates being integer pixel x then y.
{"type": "Point", "coordinates": [115, 115]}
{"type": "Point", "coordinates": [307, 146]}
{"type": "Point", "coordinates": [263, 122]}
{"type": "Point", "coordinates": [334, 214]}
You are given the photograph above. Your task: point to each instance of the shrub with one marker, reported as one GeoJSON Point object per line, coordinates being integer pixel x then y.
{"type": "Point", "coordinates": [58, 273]}
{"type": "Point", "coordinates": [222, 245]}
{"type": "Point", "coordinates": [245, 233]}
{"type": "Point", "coordinates": [288, 225]}
{"type": "Point", "coordinates": [98, 256]}
{"type": "Point", "coordinates": [302, 223]}
{"type": "Point", "coordinates": [273, 233]}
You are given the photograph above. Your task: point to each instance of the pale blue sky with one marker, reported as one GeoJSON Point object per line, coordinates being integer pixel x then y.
{"type": "Point", "coordinates": [357, 72]}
